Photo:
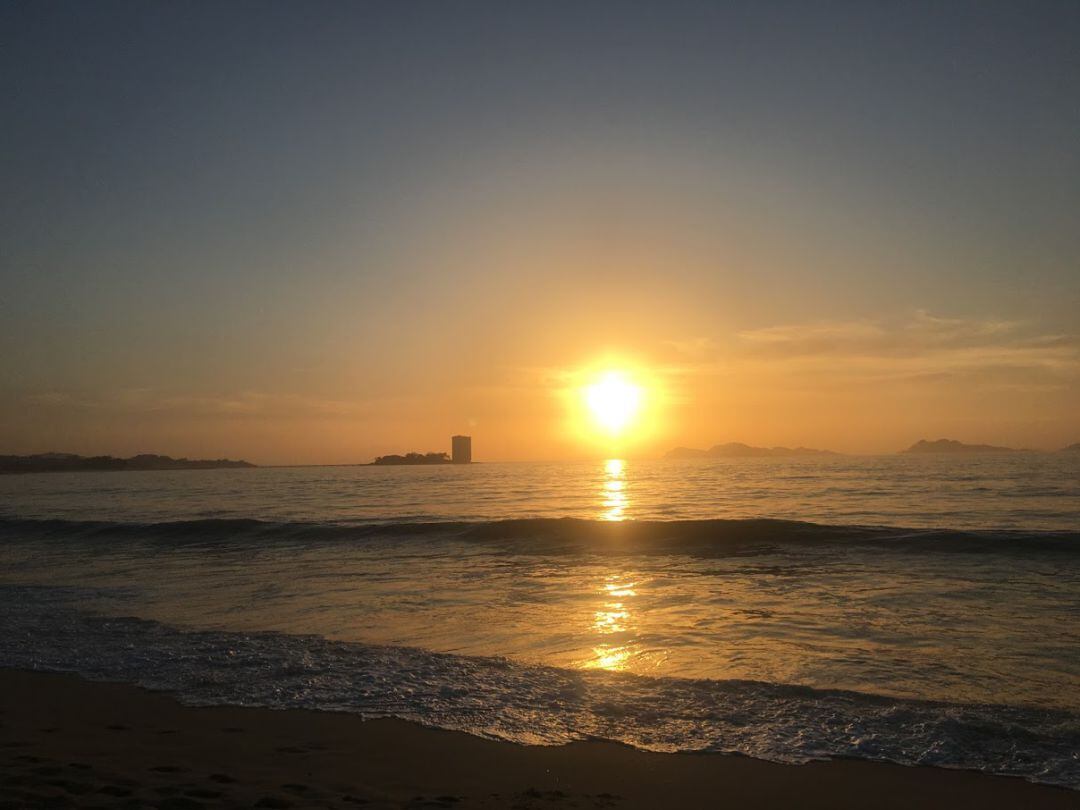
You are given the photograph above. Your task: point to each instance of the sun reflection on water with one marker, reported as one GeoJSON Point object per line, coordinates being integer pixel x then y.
{"type": "Point", "coordinates": [613, 493]}
{"type": "Point", "coordinates": [611, 658]}
{"type": "Point", "coordinates": [613, 619]}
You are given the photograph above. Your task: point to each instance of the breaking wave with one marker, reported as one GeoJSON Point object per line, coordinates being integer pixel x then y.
{"type": "Point", "coordinates": [554, 535]}
{"type": "Point", "coordinates": [497, 698]}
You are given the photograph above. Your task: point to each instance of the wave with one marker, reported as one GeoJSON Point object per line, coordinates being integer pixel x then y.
{"type": "Point", "coordinates": [555, 535]}
{"type": "Point", "coordinates": [497, 698]}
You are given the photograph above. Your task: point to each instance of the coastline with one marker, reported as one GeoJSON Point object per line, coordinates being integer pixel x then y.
{"type": "Point", "coordinates": [68, 742]}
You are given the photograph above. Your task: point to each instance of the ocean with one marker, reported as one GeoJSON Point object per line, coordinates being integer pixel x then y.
{"type": "Point", "coordinates": [919, 610]}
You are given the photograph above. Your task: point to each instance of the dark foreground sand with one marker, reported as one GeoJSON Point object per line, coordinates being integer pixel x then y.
{"type": "Point", "coordinates": [65, 742]}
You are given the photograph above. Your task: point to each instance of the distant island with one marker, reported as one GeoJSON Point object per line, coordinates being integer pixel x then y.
{"type": "Point", "coordinates": [1072, 448]}
{"type": "Point", "coordinates": [462, 454]}
{"type": "Point", "coordinates": [953, 446]}
{"type": "Point", "coordinates": [69, 462]}
{"type": "Point", "coordinates": [740, 450]}
{"type": "Point", "coordinates": [413, 458]}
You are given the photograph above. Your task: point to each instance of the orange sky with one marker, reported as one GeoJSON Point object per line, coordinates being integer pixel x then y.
{"type": "Point", "coordinates": [301, 239]}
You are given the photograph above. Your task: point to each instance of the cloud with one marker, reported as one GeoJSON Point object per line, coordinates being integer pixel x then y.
{"type": "Point", "coordinates": [815, 338]}
{"type": "Point", "coordinates": [692, 349]}
{"type": "Point", "coordinates": [921, 345]}
{"type": "Point", "coordinates": [927, 327]}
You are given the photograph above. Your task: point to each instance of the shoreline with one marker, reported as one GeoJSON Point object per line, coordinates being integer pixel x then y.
{"type": "Point", "coordinates": [69, 742]}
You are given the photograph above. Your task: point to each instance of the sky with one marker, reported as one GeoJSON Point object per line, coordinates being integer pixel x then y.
{"type": "Point", "coordinates": [315, 232]}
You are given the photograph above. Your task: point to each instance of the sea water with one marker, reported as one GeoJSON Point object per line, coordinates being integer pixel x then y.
{"type": "Point", "coordinates": [916, 610]}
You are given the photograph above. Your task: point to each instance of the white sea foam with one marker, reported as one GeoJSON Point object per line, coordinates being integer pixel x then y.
{"type": "Point", "coordinates": [500, 699]}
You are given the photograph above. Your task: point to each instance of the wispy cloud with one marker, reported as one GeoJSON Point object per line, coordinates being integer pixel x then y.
{"type": "Point", "coordinates": [692, 349]}
{"type": "Point", "coordinates": [47, 399]}
{"type": "Point", "coordinates": [811, 338]}
{"type": "Point", "coordinates": [921, 345]}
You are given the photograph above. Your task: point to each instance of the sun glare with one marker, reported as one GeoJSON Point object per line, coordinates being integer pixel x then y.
{"type": "Point", "coordinates": [614, 402]}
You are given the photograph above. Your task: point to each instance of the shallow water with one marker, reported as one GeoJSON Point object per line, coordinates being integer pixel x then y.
{"type": "Point", "coordinates": [407, 592]}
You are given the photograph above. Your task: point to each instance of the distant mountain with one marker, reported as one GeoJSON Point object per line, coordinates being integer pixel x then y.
{"type": "Point", "coordinates": [953, 446]}
{"type": "Point", "coordinates": [69, 462]}
{"type": "Point", "coordinates": [740, 450]}
{"type": "Point", "coordinates": [1072, 448]}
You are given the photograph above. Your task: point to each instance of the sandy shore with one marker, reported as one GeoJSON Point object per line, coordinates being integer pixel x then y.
{"type": "Point", "coordinates": [65, 742]}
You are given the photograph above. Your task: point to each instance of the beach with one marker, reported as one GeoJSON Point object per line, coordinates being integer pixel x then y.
{"type": "Point", "coordinates": [68, 742]}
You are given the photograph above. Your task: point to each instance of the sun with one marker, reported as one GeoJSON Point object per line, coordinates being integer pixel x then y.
{"type": "Point", "coordinates": [613, 401]}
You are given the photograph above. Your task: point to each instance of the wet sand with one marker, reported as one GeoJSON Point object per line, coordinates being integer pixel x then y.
{"type": "Point", "coordinates": [66, 742]}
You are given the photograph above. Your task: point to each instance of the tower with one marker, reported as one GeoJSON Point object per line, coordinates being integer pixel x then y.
{"type": "Point", "coordinates": [461, 447]}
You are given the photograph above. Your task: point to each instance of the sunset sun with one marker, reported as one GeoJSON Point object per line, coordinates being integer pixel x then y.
{"type": "Point", "coordinates": [613, 402]}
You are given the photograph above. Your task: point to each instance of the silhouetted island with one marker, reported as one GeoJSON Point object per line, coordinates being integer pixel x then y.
{"type": "Point", "coordinates": [413, 458]}
{"type": "Point", "coordinates": [740, 450]}
{"type": "Point", "coordinates": [1072, 448]}
{"type": "Point", "coordinates": [69, 462]}
{"type": "Point", "coordinates": [953, 446]}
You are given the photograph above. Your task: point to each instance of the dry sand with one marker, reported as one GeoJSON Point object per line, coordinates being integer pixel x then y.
{"type": "Point", "coordinates": [66, 742]}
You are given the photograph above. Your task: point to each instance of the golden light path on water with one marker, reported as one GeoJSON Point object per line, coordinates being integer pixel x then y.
{"type": "Point", "coordinates": [614, 618]}
{"type": "Point", "coordinates": [613, 494]}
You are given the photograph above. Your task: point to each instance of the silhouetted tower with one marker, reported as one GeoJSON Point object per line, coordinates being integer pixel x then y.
{"type": "Point", "coordinates": [462, 449]}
